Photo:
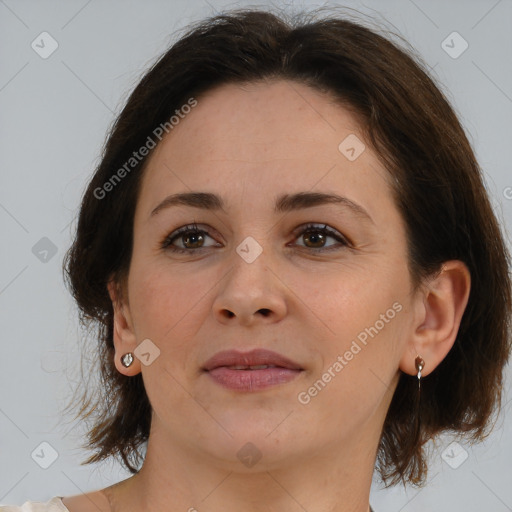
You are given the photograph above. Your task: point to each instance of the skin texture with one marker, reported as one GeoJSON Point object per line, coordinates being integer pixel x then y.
{"type": "Point", "coordinates": [250, 144]}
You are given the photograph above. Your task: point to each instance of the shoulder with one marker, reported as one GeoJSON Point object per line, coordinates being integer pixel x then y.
{"type": "Point", "coordinates": [95, 501]}
{"type": "Point", "coordinates": [52, 505]}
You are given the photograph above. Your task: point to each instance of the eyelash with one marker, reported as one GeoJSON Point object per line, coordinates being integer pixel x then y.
{"type": "Point", "coordinates": [193, 229]}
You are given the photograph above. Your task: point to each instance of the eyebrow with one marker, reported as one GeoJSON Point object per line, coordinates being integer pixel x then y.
{"type": "Point", "coordinates": [284, 203]}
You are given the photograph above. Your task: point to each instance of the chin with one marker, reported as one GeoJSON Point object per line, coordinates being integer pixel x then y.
{"type": "Point", "coordinates": [247, 442]}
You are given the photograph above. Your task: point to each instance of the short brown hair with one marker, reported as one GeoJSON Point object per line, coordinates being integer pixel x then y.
{"type": "Point", "coordinates": [437, 185]}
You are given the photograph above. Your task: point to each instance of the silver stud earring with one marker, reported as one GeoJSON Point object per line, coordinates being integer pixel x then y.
{"type": "Point", "coordinates": [127, 359]}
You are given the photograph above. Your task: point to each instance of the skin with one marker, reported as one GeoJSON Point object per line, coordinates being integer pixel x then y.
{"type": "Point", "coordinates": [250, 144]}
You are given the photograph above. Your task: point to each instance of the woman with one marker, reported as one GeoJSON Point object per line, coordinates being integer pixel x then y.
{"type": "Point", "coordinates": [295, 272]}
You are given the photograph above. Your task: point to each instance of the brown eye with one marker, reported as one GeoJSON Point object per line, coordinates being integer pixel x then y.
{"type": "Point", "coordinates": [315, 237]}
{"type": "Point", "coordinates": [191, 237]}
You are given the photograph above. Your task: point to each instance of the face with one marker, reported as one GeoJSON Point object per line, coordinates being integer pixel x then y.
{"type": "Point", "coordinates": [323, 283]}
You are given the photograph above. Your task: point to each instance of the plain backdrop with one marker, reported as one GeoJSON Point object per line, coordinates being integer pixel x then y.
{"type": "Point", "coordinates": [54, 113]}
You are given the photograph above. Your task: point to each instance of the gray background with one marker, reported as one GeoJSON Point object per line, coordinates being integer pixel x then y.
{"type": "Point", "coordinates": [54, 116]}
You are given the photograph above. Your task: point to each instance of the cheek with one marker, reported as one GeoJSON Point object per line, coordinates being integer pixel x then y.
{"type": "Point", "coordinates": [366, 316]}
{"type": "Point", "coordinates": [360, 355]}
{"type": "Point", "coordinates": [165, 302]}
{"type": "Point", "coordinates": [354, 302]}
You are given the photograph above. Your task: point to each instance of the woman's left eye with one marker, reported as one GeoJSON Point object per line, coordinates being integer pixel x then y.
{"type": "Point", "coordinates": [312, 233]}
{"type": "Point", "coordinates": [317, 234]}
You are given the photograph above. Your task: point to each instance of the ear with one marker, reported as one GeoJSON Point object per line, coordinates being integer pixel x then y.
{"type": "Point", "coordinates": [124, 335]}
{"type": "Point", "coordinates": [438, 311]}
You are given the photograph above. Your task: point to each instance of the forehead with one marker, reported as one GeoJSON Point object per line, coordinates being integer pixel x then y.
{"type": "Point", "coordinates": [266, 119]}
{"type": "Point", "coordinates": [261, 138]}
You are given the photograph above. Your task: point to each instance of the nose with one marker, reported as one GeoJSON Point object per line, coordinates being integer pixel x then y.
{"type": "Point", "coordinates": [250, 293]}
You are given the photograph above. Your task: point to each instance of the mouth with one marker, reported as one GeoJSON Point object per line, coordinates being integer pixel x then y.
{"type": "Point", "coordinates": [251, 371]}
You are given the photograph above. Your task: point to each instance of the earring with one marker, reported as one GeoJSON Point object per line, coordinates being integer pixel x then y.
{"type": "Point", "coordinates": [127, 359]}
{"type": "Point", "coordinates": [416, 435]}
{"type": "Point", "coordinates": [420, 364]}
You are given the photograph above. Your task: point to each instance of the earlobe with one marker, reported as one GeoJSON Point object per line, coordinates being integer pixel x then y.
{"type": "Point", "coordinates": [439, 312]}
{"type": "Point", "coordinates": [125, 340]}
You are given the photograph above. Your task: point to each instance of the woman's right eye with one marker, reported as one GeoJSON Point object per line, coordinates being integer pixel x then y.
{"type": "Point", "coordinates": [190, 234]}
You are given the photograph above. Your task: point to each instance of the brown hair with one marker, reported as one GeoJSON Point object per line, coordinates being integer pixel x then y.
{"type": "Point", "coordinates": [437, 186]}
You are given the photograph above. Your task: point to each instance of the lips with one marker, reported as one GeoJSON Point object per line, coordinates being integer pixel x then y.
{"type": "Point", "coordinates": [251, 372]}
{"type": "Point", "coordinates": [257, 359]}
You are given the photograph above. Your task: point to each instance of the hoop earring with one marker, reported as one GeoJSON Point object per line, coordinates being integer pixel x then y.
{"type": "Point", "coordinates": [127, 359]}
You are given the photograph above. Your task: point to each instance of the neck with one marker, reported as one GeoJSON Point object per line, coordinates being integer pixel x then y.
{"type": "Point", "coordinates": [176, 477]}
